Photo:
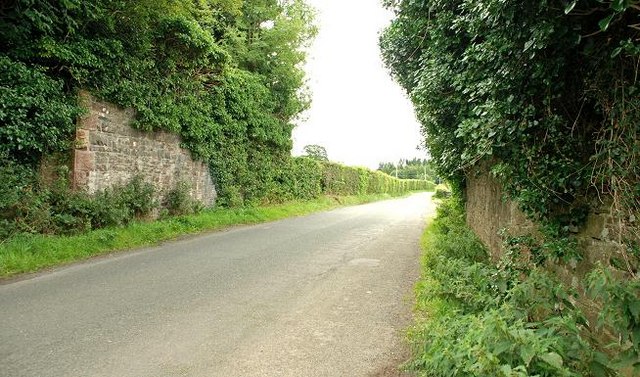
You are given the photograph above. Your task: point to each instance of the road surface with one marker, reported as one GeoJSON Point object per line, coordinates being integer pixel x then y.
{"type": "Point", "coordinates": [322, 295]}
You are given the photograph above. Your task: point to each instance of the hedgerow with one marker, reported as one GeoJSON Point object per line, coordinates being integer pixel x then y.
{"type": "Point", "coordinates": [223, 74]}
{"type": "Point", "coordinates": [546, 93]}
{"type": "Point", "coordinates": [29, 203]}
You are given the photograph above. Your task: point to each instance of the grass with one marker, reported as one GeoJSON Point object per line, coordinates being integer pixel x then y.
{"type": "Point", "coordinates": [31, 253]}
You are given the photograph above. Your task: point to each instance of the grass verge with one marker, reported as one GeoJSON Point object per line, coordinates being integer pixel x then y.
{"type": "Point", "coordinates": [30, 253]}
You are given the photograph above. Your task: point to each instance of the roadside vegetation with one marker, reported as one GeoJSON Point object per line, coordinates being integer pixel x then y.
{"type": "Point", "coordinates": [544, 93]}
{"type": "Point", "coordinates": [27, 252]}
{"type": "Point", "coordinates": [49, 224]}
{"type": "Point", "coordinates": [31, 204]}
{"type": "Point", "coordinates": [224, 75]}
{"type": "Point", "coordinates": [512, 318]}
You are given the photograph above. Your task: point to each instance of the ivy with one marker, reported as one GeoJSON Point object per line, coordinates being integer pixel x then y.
{"type": "Point", "coordinates": [546, 93]}
{"type": "Point", "coordinates": [513, 318]}
{"type": "Point", "coordinates": [543, 89]}
{"type": "Point", "coordinates": [213, 72]}
{"type": "Point", "coordinates": [33, 112]}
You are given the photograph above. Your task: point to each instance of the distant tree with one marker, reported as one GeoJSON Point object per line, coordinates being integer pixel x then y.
{"type": "Point", "coordinates": [409, 169]}
{"type": "Point", "coordinates": [316, 152]}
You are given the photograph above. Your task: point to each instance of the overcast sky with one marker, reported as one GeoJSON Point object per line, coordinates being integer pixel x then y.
{"type": "Point", "coordinates": [359, 114]}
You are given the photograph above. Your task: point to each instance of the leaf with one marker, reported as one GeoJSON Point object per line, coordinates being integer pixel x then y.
{"type": "Point", "coordinates": [604, 23]}
{"type": "Point", "coordinates": [528, 45]}
{"type": "Point", "coordinates": [527, 353]}
{"type": "Point", "coordinates": [506, 370]}
{"type": "Point", "coordinates": [502, 347]}
{"type": "Point", "coordinates": [552, 359]}
{"type": "Point", "coordinates": [634, 308]}
{"type": "Point", "coordinates": [616, 52]}
{"type": "Point", "coordinates": [618, 5]}
{"type": "Point", "coordinates": [570, 7]}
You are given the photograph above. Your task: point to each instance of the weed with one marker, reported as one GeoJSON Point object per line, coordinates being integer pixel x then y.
{"type": "Point", "coordinates": [513, 318]}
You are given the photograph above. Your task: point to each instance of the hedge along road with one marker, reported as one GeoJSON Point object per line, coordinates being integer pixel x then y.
{"type": "Point", "coordinates": [322, 295]}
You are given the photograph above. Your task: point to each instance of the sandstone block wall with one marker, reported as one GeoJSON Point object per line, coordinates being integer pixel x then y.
{"type": "Point", "coordinates": [489, 212]}
{"type": "Point", "coordinates": [108, 152]}
{"type": "Point", "coordinates": [599, 238]}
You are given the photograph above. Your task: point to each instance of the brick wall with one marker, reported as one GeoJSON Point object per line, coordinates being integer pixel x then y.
{"type": "Point", "coordinates": [108, 151]}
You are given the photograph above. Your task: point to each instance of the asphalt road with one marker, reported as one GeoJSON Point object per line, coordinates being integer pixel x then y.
{"type": "Point", "coordinates": [322, 295]}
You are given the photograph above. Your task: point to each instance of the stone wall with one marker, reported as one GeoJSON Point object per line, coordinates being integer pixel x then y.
{"type": "Point", "coordinates": [489, 212]}
{"type": "Point", "coordinates": [108, 152]}
{"type": "Point", "coordinates": [599, 238]}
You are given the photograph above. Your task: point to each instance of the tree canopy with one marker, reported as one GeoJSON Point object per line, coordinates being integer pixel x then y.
{"type": "Point", "coordinates": [545, 90]}
{"type": "Point", "coordinates": [224, 74]}
{"type": "Point", "coordinates": [316, 152]}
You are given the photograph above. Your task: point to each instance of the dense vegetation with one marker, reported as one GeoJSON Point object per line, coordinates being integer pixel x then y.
{"type": "Point", "coordinates": [510, 319]}
{"type": "Point", "coordinates": [224, 74]}
{"type": "Point", "coordinates": [33, 252]}
{"type": "Point", "coordinates": [34, 206]}
{"type": "Point", "coordinates": [547, 89]}
{"type": "Point", "coordinates": [546, 92]}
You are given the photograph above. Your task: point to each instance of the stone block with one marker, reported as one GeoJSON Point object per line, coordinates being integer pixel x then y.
{"type": "Point", "coordinates": [595, 227]}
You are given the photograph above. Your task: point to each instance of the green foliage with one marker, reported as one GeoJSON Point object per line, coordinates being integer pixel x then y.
{"type": "Point", "coordinates": [620, 314]}
{"type": "Point", "coordinates": [442, 192]}
{"type": "Point", "coordinates": [513, 319]}
{"type": "Point", "coordinates": [546, 90]}
{"type": "Point", "coordinates": [27, 252]}
{"type": "Point", "coordinates": [178, 201]}
{"type": "Point", "coordinates": [31, 205]}
{"type": "Point", "coordinates": [121, 204]}
{"type": "Point", "coordinates": [410, 169]}
{"type": "Point", "coordinates": [343, 180]}
{"type": "Point", "coordinates": [223, 74]}
{"type": "Point", "coordinates": [36, 116]}
{"type": "Point", "coordinates": [316, 152]}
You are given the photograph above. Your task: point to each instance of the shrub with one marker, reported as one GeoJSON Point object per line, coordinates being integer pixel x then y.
{"type": "Point", "coordinates": [178, 200]}
{"type": "Point", "coordinates": [513, 319]}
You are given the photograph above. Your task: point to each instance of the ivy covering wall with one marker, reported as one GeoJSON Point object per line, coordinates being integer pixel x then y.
{"type": "Point", "coordinates": [547, 89]}
{"type": "Point", "coordinates": [223, 74]}
{"type": "Point", "coordinates": [546, 93]}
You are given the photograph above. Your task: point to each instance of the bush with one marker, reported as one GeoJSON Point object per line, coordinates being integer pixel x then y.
{"type": "Point", "coordinates": [30, 205]}
{"type": "Point", "coordinates": [121, 204]}
{"type": "Point", "coordinates": [178, 201]}
{"type": "Point", "coordinates": [441, 193]}
{"type": "Point", "coordinates": [513, 319]}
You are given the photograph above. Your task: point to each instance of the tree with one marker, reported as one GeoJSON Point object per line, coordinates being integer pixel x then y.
{"type": "Point", "coordinates": [226, 75]}
{"type": "Point", "coordinates": [409, 169]}
{"type": "Point", "coordinates": [316, 152]}
{"type": "Point", "coordinates": [540, 90]}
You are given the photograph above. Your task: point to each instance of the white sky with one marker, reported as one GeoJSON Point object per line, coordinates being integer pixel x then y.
{"type": "Point", "coordinates": [359, 114]}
